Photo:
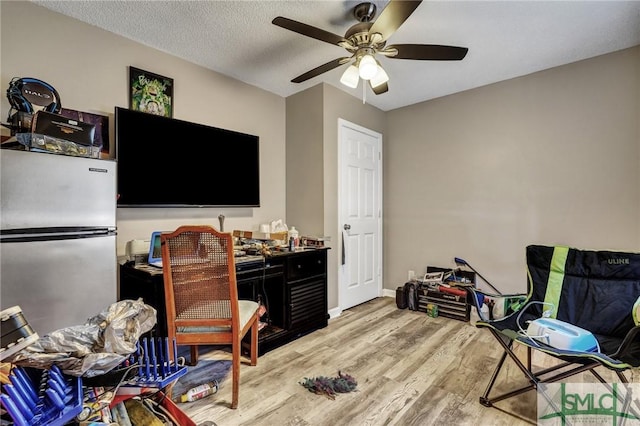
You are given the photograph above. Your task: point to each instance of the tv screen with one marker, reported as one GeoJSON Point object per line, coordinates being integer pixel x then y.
{"type": "Point", "coordinates": [165, 162]}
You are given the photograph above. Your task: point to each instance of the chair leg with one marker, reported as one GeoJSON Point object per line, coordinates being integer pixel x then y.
{"type": "Point", "coordinates": [625, 382]}
{"type": "Point", "coordinates": [194, 355]}
{"type": "Point", "coordinates": [622, 377]}
{"type": "Point", "coordinates": [484, 399]}
{"type": "Point", "coordinates": [533, 380]}
{"type": "Point", "coordinates": [254, 343]}
{"type": "Point", "coordinates": [536, 380]}
{"type": "Point", "coordinates": [235, 370]}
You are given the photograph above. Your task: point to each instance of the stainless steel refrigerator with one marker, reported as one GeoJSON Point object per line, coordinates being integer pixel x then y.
{"type": "Point", "coordinates": [57, 237]}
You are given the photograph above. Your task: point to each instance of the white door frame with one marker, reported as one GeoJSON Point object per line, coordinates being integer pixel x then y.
{"type": "Point", "coordinates": [342, 279]}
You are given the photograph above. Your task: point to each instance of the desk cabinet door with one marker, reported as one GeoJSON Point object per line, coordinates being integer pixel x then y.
{"type": "Point", "coordinates": [307, 303]}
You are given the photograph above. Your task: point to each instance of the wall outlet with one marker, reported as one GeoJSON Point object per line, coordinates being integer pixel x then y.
{"type": "Point", "coordinates": [412, 275]}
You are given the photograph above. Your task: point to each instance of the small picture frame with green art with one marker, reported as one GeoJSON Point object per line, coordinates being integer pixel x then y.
{"type": "Point", "coordinates": [150, 93]}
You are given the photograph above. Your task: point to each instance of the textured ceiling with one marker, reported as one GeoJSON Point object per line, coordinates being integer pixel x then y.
{"type": "Point", "coordinates": [506, 39]}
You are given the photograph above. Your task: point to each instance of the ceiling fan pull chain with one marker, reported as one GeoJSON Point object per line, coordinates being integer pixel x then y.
{"type": "Point", "coordinates": [364, 93]}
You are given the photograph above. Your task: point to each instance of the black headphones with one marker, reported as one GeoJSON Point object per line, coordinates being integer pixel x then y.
{"type": "Point", "coordinates": [25, 92]}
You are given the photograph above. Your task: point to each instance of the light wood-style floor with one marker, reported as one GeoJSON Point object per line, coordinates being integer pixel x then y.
{"type": "Point", "coordinates": [411, 370]}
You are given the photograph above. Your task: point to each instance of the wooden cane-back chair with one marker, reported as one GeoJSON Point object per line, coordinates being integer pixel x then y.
{"type": "Point", "coordinates": [201, 295]}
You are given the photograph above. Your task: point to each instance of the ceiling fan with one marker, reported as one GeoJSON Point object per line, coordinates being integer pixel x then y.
{"type": "Point", "coordinates": [366, 39]}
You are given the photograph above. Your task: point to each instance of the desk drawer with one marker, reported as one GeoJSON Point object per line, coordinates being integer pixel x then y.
{"type": "Point", "coordinates": [305, 266]}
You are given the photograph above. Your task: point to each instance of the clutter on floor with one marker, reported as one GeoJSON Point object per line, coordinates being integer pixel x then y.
{"type": "Point", "coordinates": [330, 386]}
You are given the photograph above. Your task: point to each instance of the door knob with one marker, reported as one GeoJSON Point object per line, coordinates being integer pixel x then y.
{"type": "Point", "coordinates": [347, 226]}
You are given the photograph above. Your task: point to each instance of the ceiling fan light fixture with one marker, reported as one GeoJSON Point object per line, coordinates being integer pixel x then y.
{"type": "Point", "coordinates": [381, 77]}
{"type": "Point", "coordinates": [350, 77]}
{"type": "Point", "coordinates": [368, 67]}
{"type": "Point", "coordinates": [368, 38]}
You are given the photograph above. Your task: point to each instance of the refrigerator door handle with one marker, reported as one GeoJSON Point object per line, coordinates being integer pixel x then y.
{"type": "Point", "coordinates": [62, 233]}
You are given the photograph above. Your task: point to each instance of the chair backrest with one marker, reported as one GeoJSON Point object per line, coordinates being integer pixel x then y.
{"type": "Point", "coordinates": [595, 290]}
{"type": "Point", "coordinates": [200, 278]}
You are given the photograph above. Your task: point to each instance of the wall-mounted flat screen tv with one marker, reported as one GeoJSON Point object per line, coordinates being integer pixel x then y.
{"type": "Point", "coordinates": [165, 162]}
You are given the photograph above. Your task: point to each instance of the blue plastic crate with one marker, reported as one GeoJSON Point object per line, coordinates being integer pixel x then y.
{"type": "Point", "coordinates": [150, 366]}
{"type": "Point", "coordinates": [42, 397]}
{"type": "Point", "coordinates": [154, 366]}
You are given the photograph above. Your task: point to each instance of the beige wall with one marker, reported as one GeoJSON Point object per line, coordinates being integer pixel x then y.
{"type": "Point", "coordinates": [89, 68]}
{"type": "Point", "coordinates": [304, 162]}
{"type": "Point", "coordinates": [549, 158]}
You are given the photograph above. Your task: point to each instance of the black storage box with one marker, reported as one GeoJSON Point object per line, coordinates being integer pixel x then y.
{"type": "Point", "coordinates": [449, 305]}
{"type": "Point", "coordinates": [64, 128]}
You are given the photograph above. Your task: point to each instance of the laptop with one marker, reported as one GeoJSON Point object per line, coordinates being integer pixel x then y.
{"type": "Point", "coordinates": [155, 252]}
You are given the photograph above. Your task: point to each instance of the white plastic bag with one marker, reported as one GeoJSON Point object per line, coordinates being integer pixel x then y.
{"type": "Point", "coordinates": [94, 348]}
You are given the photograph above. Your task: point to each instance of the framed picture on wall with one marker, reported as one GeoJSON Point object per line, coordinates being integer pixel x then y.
{"type": "Point", "coordinates": [151, 93]}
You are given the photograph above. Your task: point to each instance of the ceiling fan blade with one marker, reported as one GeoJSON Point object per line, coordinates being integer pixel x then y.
{"type": "Point", "coordinates": [380, 89]}
{"type": "Point", "coordinates": [321, 69]}
{"type": "Point", "coordinates": [428, 52]}
{"type": "Point", "coordinates": [392, 16]}
{"type": "Point", "coordinates": [308, 30]}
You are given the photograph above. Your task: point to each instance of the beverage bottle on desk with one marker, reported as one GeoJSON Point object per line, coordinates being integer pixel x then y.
{"type": "Point", "coordinates": [293, 234]}
{"type": "Point", "coordinates": [199, 392]}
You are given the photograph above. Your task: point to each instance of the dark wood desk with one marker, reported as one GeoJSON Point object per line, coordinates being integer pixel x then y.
{"type": "Point", "coordinates": [293, 287]}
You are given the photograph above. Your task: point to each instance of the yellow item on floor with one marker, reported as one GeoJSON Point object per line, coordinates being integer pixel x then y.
{"type": "Point", "coordinates": [141, 415]}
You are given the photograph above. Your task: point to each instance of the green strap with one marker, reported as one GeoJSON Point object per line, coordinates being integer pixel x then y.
{"type": "Point", "coordinates": [636, 312]}
{"type": "Point", "coordinates": [556, 278]}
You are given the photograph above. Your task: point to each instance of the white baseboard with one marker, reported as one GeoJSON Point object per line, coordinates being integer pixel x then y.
{"type": "Point", "coordinates": [388, 293]}
{"type": "Point", "coordinates": [336, 312]}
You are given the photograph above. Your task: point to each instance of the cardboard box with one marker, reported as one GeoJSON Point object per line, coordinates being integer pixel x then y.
{"type": "Point", "coordinates": [280, 236]}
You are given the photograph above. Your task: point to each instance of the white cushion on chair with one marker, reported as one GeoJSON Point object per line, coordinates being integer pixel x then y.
{"type": "Point", "coordinates": [247, 309]}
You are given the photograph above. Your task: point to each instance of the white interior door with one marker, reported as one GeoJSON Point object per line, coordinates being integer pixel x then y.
{"type": "Point", "coordinates": [360, 208]}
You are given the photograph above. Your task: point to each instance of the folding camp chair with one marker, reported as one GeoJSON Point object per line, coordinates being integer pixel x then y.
{"type": "Point", "coordinates": [598, 291]}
